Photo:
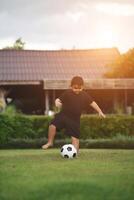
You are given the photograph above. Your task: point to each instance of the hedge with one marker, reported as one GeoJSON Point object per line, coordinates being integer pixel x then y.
{"type": "Point", "coordinates": [118, 142]}
{"type": "Point", "coordinates": [113, 125]}
{"type": "Point", "coordinates": [20, 127]}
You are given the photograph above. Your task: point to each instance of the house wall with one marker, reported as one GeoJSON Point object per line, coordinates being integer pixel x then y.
{"type": "Point", "coordinates": [111, 101]}
{"type": "Point", "coordinates": [31, 99]}
{"type": "Point", "coordinates": [27, 98]}
{"type": "Point", "coordinates": [114, 100]}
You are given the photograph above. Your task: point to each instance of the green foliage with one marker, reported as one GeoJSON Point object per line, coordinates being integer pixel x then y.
{"type": "Point", "coordinates": [18, 45]}
{"type": "Point", "coordinates": [10, 110]}
{"type": "Point", "coordinates": [96, 127]}
{"type": "Point", "coordinates": [22, 126]}
{"type": "Point", "coordinates": [117, 142]}
{"type": "Point", "coordinates": [18, 127]}
{"type": "Point", "coordinates": [123, 67]}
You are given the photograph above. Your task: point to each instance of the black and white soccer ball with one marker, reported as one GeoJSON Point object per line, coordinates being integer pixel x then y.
{"type": "Point", "coordinates": [68, 151]}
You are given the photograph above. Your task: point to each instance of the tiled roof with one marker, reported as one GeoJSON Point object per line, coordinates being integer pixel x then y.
{"type": "Point", "coordinates": [34, 65]}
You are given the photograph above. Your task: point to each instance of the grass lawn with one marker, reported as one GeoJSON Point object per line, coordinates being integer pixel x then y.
{"type": "Point", "coordinates": [45, 175]}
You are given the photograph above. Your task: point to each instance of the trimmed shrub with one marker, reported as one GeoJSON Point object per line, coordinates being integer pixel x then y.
{"type": "Point", "coordinates": [22, 126]}
{"type": "Point", "coordinates": [119, 142]}
{"type": "Point", "coordinates": [18, 127]}
{"type": "Point", "coordinates": [113, 125]}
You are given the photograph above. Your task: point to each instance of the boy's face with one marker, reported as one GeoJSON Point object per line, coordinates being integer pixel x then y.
{"type": "Point", "coordinates": [77, 88]}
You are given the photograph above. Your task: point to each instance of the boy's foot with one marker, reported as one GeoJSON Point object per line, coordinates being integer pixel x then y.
{"type": "Point", "coordinates": [46, 146]}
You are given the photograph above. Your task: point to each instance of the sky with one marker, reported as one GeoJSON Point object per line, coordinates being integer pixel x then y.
{"type": "Point", "coordinates": [68, 24]}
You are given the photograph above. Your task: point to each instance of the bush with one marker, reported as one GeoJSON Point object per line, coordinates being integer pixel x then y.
{"type": "Point", "coordinates": [118, 142]}
{"type": "Point", "coordinates": [113, 125]}
{"type": "Point", "coordinates": [18, 127]}
{"type": "Point", "coordinates": [22, 126]}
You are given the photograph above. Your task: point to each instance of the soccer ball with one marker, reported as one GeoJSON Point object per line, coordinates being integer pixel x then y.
{"type": "Point", "coordinates": [68, 151]}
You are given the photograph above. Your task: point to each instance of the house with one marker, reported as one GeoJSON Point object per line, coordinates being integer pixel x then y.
{"type": "Point", "coordinates": [35, 78]}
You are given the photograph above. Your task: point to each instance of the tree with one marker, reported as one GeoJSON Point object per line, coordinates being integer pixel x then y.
{"type": "Point", "coordinates": [123, 67]}
{"type": "Point", "coordinates": [18, 45]}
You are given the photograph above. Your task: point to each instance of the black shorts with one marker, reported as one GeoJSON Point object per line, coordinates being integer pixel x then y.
{"type": "Point", "coordinates": [72, 127]}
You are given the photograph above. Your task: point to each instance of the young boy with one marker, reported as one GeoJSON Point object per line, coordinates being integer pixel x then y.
{"type": "Point", "coordinates": [73, 102]}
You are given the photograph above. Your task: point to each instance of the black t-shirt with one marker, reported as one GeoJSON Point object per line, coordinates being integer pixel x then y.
{"type": "Point", "coordinates": [73, 104]}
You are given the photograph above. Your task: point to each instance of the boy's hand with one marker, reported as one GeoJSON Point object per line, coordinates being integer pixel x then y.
{"type": "Point", "coordinates": [101, 114]}
{"type": "Point", "coordinates": [97, 108]}
{"type": "Point", "coordinates": [58, 103]}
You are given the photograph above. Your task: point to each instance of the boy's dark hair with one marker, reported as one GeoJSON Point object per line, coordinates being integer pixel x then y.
{"type": "Point", "coordinates": [77, 80]}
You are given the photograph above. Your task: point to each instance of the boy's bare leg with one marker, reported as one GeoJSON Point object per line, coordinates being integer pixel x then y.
{"type": "Point", "coordinates": [75, 142]}
{"type": "Point", "coordinates": [51, 135]}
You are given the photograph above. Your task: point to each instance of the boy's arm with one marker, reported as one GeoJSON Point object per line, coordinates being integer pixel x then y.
{"type": "Point", "coordinates": [58, 103]}
{"type": "Point", "coordinates": [97, 108]}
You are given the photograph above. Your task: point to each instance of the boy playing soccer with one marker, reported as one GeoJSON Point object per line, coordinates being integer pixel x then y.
{"type": "Point", "coordinates": [73, 102]}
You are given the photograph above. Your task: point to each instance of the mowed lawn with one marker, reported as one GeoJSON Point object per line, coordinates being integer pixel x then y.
{"type": "Point", "coordinates": [45, 175]}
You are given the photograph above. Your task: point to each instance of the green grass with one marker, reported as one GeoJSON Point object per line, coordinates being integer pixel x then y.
{"type": "Point", "coordinates": [45, 175]}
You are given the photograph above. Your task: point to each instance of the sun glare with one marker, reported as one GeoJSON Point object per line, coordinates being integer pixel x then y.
{"type": "Point", "coordinates": [116, 9]}
{"type": "Point", "coordinates": [75, 16]}
{"type": "Point", "coordinates": [106, 37]}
